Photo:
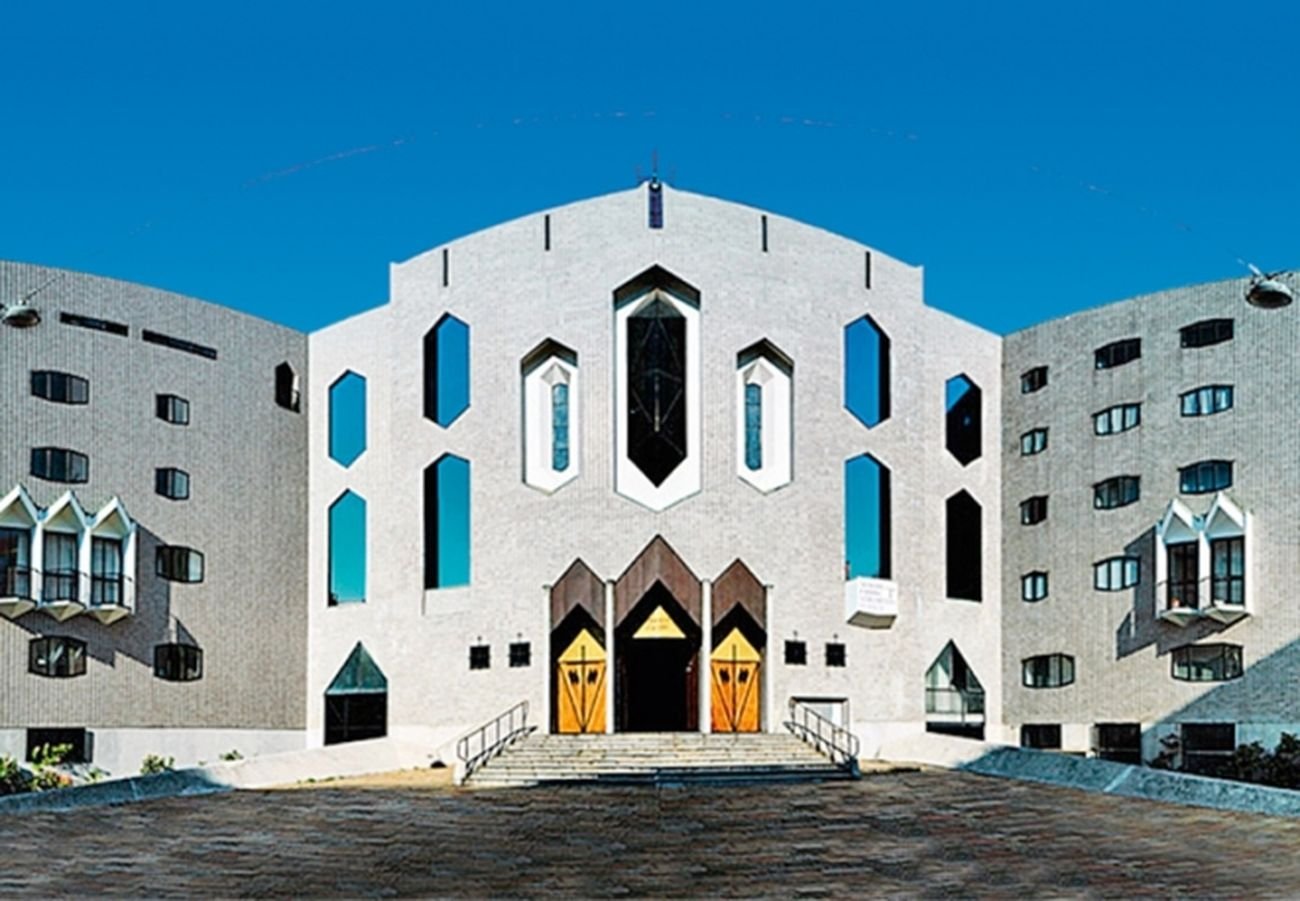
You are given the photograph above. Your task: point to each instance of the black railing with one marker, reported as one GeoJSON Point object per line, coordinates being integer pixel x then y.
{"type": "Point", "coordinates": [493, 737]}
{"type": "Point", "coordinates": [966, 703]}
{"type": "Point", "coordinates": [16, 582]}
{"type": "Point", "coordinates": [836, 742]}
{"type": "Point", "coordinates": [60, 585]}
{"type": "Point", "coordinates": [106, 591]}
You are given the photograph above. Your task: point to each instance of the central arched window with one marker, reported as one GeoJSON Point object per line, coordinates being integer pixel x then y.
{"type": "Point", "coordinates": [657, 388]}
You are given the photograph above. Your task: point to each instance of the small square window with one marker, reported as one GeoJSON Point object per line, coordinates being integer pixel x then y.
{"type": "Point", "coordinates": [1032, 380]}
{"type": "Point", "coordinates": [834, 653]}
{"type": "Point", "coordinates": [480, 656]}
{"type": "Point", "coordinates": [796, 653]}
{"type": "Point", "coordinates": [521, 653]}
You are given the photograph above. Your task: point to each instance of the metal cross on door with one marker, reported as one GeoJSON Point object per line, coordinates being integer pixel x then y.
{"type": "Point", "coordinates": [735, 667]}
{"type": "Point", "coordinates": [580, 676]}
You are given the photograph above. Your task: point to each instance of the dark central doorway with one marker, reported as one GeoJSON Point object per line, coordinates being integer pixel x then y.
{"type": "Point", "coordinates": [658, 648]}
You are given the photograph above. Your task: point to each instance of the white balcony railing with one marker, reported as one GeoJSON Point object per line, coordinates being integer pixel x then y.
{"type": "Point", "coordinates": [870, 603]}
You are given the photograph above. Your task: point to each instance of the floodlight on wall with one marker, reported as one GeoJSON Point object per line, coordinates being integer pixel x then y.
{"type": "Point", "coordinates": [1267, 291]}
{"type": "Point", "coordinates": [19, 315]}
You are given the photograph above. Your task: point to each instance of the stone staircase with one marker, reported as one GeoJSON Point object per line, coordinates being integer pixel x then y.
{"type": "Point", "coordinates": [657, 759]}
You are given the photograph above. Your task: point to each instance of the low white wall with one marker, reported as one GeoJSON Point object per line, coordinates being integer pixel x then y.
{"type": "Point", "coordinates": [119, 752]}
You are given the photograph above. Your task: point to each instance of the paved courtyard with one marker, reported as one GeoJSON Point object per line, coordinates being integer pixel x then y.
{"type": "Point", "coordinates": [925, 833]}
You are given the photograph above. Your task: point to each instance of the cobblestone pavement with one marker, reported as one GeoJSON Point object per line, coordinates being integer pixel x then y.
{"type": "Point", "coordinates": [930, 833]}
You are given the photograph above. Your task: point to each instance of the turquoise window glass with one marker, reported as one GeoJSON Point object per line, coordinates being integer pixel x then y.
{"type": "Point", "coordinates": [347, 549]}
{"type": "Point", "coordinates": [446, 371]}
{"type": "Point", "coordinates": [866, 371]}
{"type": "Point", "coordinates": [866, 518]}
{"type": "Point", "coordinates": [560, 427]}
{"type": "Point", "coordinates": [447, 523]}
{"type": "Point", "coordinates": [347, 418]}
{"type": "Point", "coordinates": [754, 426]}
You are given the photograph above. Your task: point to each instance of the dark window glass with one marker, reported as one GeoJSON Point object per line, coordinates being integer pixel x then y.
{"type": "Point", "coordinates": [656, 204]}
{"type": "Point", "coordinates": [1228, 571]}
{"type": "Point", "coordinates": [173, 409]}
{"type": "Point", "coordinates": [355, 717]}
{"type": "Point", "coordinates": [179, 564]}
{"type": "Point", "coordinates": [57, 464]}
{"type": "Point", "coordinates": [1205, 476]}
{"type": "Point", "coordinates": [962, 419]}
{"type": "Point", "coordinates": [1033, 586]}
{"type": "Point", "coordinates": [1047, 671]}
{"type": "Point", "coordinates": [866, 371]}
{"type": "Point", "coordinates": [1118, 353]}
{"type": "Point", "coordinates": [172, 483]}
{"type": "Point", "coordinates": [80, 740]}
{"type": "Point", "coordinates": [1206, 400]}
{"type": "Point", "coordinates": [656, 374]}
{"type": "Point", "coordinates": [57, 657]}
{"type": "Point", "coordinates": [90, 322]}
{"type": "Point", "coordinates": [1121, 742]}
{"type": "Point", "coordinates": [1117, 492]}
{"type": "Point", "coordinates": [965, 547]}
{"type": "Point", "coordinates": [1207, 747]}
{"type": "Point", "coordinates": [178, 662]}
{"type": "Point", "coordinates": [1032, 380]}
{"type": "Point", "coordinates": [1033, 510]}
{"type": "Point", "coordinates": [1206, 662]}
{"type": "Point", "coordinates": [287, 392]}
{"type": "Point", "coordinates": [60, 387]}
{"type": "Point", "coordinates": [835, 653]}
{"type": "Point", "coordinates": [1115, 573]}
{"type": "Point", "coordinates": [15, 563]}
{"type": "Point", "coordinates": [1119, 418]}
{"type": "Point", "coordinates": [189, 347]}
{"type": "Point", "coordinates": [521, 653]}
{"type": "Point", "coordinates": [1205, 333]}
{"type": "Point", "coordinates": [796, 653]}
{"type": "Point", "coordinates": [60, 581]}
{"type": "Point", "coordinates": [1181, 589]}
{"type": "Point", "coordinates": [480, 656]}
{"type": "Point", "coordinates": [1044, 736]}
{"type": "Point", "coordinates": [106, 587]}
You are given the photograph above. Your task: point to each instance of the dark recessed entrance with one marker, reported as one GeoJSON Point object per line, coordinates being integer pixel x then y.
{"type": "Point", "coordinates": [356, 702]}
{"type": "Point", "coordinates": [657, 647]}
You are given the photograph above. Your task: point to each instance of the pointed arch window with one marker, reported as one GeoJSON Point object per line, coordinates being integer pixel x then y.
{"type": "Point", "coordinates": [550, 378]}
{"type": "Point", "coordinates": [754, 426]}
{"type": "Point", "coordinates": [347, 549]}
{"type": "Point", "coordinates": [446, 523]}
{"type": "Point", "coordinates": [867, 518]}
{"type": "Point", "coordinates": [764, 426]}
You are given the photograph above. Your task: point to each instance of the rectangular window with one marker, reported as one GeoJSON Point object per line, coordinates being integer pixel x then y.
{"type": "Point", "coordinates": [1033, 510]}
{"type": "Point", "coordinates": [56, 657]}
{"type": "Point", "coordinates": [835, 653]}
{"type": "Point", "coordinates": [189, 347]}
{"type": "Point", "coordinates": [1228, 571]}
{"type": "Point", "coordinates": [15, 563]}
{"type": "Point", "coordinates": [90, 322]}
{"type": "Point", "coordinates": [106, 572]}
{"type": "Point", "coordinates": [1206, 400]}
{"type": "Point", "coordinates": [560, 427]}
{"type": "Point", "coordinates": [1207, 747]}
{"type": "Point", "coordinates": [172, 483]}
{"type": "Point", "coordinates": [1033, 442]}
{"type": "Point", "coordinates": [1117, 353]}
{"type": "Point", "coordinates": [172, 409]}
{"type": "Point", "coordinates": [1119, 418]}
{"type": "Point", "coordinates": [1043, 736]}
{"type": "Point", "coordinates": [796, 653]}
{"type": "Point", "coordinates": [1205, 476]}
{"type": "Point", "coordinates": [1205, 333]}
{"type": "Point", "coordinates": [1117, 492]}
{"type": "Point", "coordinates": [80, 740]}
{"type": "Point", "coordinates": [521, 653]}
{"type": "Point", "coordinates": [1047, 671]}
{"type": "Point", "coordinates": [1182, 565]}
{"type": "Point", "coordinates": [177, 662]}
{"type": "Point", "coordinates": [1120, 742]}
{"type": "Point", "coordinates": [179, 564]}
{"type": "Point", "coordinates": [1206, 662]}
{"type": "Point", "coordinates": [61, 580]}
{"type": "Point", "coordinates": [1115, 574]}
{"type": "Point", "coordinates": [480, 656]}
{"type": "Point", "coordinates": [58, 464]}
{"type": "Point", "coordinates": [1033, 586]}
{"type": "Point", "coordinates": [60, 387]}
{"type": "Point", "coordinates": [753, 427]}
{"type": "Point", "coordinates": [1032, 380]}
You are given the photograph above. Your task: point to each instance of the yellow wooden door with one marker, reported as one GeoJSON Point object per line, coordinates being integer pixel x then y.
{"type": "Point", "coordinates": [735, 667]}
{"type": "Point", "coordinates": [580, 689]}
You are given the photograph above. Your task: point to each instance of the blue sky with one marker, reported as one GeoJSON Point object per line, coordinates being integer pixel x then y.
{"type": "Point", "coordinates": [1035, 158]}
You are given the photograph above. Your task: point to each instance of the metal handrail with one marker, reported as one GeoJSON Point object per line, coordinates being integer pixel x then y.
{"type": "Point", "coordinates": [836, 742]}
{"type": "Point", "coordinates": [515, 723]}
{"type": "Point", "coordinates": [1199, 594]}
{"type": "Point", "coordinates": [968, 702]}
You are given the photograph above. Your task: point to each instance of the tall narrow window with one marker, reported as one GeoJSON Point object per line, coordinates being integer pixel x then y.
{"type": "Point", "coordinates": [560, 427]}
{"type": "Point", "coordinates": [106, 572]}
{"type": "Point", "coordinates": [1228, 571]}
{"type": "Point", "coordinates": [446, 370]}
{"type": "Point", "coordinates": [347, 418]}
{"type": "Point", "coordinates": [61, 579]}
{"type": "Point", "coordinates": [754, 426]}
{"type": "Point", "coordinates": [446, 523]}
{"type": "Point", "coordinates": [962, 402]}
{"type": "Point", "coordinates": [965, 548]}
{"type": "Point", "coordinates": [1033, 510]}
{"type": "Point", "coordinates": [866, 371]}
{"type": "Point", "coordinates": [287, 392]}
{"type": "Point", "coordinates": [347, 549]}
{"type": "Point", "coordinates": [866, 518]}
{"type": "Point", "coordinates": [1181, 591]}
{"type": "Point", "coordinates": [656, 390]}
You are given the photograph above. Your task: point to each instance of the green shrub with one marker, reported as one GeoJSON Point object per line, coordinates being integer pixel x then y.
{"type": "Point", "coordinates": [13, 780]}
{"type": "Point", "coordinates": [45, 761]}
{"type": "Point", "coordinates": [1253, 763]}
{"type": "Point", "coordinates": [156, 763]}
